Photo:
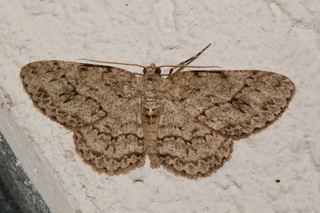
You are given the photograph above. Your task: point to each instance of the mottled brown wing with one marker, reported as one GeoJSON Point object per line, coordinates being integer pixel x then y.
{"type": "Point", "coordinates": [233, 103]}
{"type": "Point", "coordinates": [204, 111]}
{"type": "Point", "coordinates": [186, 146]}
{"type": "Point", "coordinates": [100, 104]}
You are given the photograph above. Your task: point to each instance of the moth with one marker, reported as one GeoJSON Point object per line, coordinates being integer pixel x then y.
{"type": "Point", "coordinates": [185, 121]}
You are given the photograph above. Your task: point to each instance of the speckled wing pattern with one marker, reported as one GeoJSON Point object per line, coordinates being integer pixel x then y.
{"type": "Point", "coordinates": [194, 115]}
{"type": "Point", "coordinates": [186, 146]}
{"type": "Point", "coordinates": [99, 104]}
{"type": "Point", "coordinates": [207, 109]}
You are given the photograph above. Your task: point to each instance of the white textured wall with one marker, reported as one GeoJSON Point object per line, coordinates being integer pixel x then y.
{"type": "Point", "coordinates": [277, 35]}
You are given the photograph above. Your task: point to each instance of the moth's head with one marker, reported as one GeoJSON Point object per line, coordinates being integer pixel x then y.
{"type": "Point", "coordinates": [152, 69]}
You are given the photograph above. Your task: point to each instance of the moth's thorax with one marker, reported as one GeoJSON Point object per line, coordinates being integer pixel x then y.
{"type": "Point", "coordinates": [150, 99]}
{"type": "Point", "coordinates": [150, 105]}
{"type": "Point", "coordinates": [152, 70]}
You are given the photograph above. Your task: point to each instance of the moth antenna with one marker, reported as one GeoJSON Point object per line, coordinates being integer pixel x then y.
{"type": "Point", "coordinates": [188, 66]}
{"type": "Point", "coordinates": [188, 61]}
{"type": "Point", "coordinates": [112, 62]}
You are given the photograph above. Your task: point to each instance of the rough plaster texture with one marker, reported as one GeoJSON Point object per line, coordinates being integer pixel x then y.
{"type": "Point", "coordinates": [278, 35]}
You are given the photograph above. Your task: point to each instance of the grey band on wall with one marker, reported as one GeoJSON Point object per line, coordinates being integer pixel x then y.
{"type": "Point", "coordinates": [15, 179]}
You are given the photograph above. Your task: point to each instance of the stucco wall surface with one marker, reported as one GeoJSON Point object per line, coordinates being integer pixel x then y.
{"type": "Point", "coordinates": [277, 35]}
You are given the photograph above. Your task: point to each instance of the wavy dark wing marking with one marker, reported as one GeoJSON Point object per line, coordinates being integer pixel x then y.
{"type": "Point", "coordinates": [100, 104]}
{"type": "Point", "coordinates": [113, 144]}
{"type": "Point", "coordinates": [186, 146]}
{"type": "Point", "coordinates": [233, 103]}
{"type": "Point", "coordinates": [75, 94]}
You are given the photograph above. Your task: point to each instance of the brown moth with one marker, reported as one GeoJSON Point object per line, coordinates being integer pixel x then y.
{"type": "Point", "coordinates": [185, 122]}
